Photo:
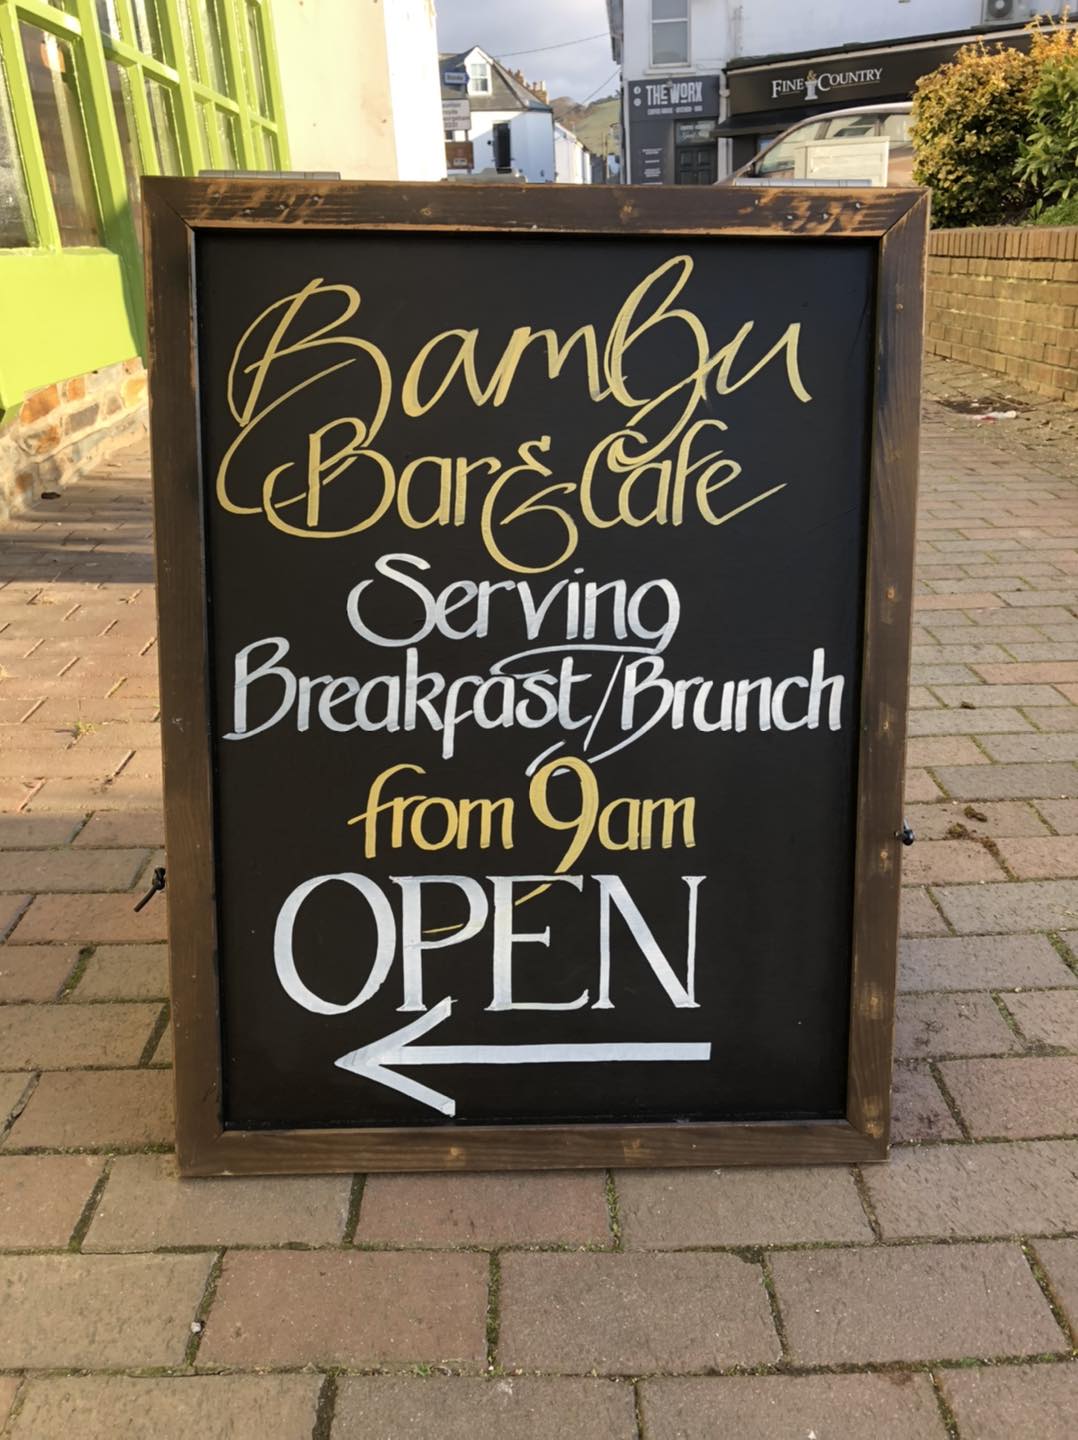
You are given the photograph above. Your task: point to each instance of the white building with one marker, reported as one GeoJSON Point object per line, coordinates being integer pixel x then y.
{"type": "Point", "coordinates": [360, 88]}
{"type": "Point", "coordinates": [495, 124]}
{"type": "Point", "coordinates": [706, 82]}
{"type": "Point", "coordinates": [572, 158]}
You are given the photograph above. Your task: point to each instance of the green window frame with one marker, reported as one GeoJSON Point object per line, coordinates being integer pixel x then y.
{"type": "Point", "coordinates": [164, 87]}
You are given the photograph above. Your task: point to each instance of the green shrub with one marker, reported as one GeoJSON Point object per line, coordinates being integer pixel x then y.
{"type": "Point", "coordinates": [1048, 156]}
{"type": "Point", "coordinates": [969, 121]}
{"type": "Point", "coordinates": [1063, 212]}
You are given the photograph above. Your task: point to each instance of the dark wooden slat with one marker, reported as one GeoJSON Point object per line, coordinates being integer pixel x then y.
{"type": "Point", "coordinates": [578, 209]}
{"type": "Point", "coordinates": [183, 659]}
{"type": "Point", "coordinates": [888, 606]}
{"type": "Point", "coordinates": [534, 1147]}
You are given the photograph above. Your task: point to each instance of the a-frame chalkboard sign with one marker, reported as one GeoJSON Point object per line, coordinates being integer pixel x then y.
{"type": "Point", "coordinates": [534, 573]}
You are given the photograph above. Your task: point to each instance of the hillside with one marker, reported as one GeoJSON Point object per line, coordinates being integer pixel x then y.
{"type": "Point", "coordinates": [590, 122]}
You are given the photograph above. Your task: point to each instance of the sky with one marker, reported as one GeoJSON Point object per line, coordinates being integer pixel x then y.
{"type": "Point", "coordinates": [579, 67]}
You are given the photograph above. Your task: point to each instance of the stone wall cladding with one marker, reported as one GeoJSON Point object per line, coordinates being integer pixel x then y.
{"type": "Point", "coordinates": [1006, 300]}
{"type": "Point", "coordinates": [69, 427]}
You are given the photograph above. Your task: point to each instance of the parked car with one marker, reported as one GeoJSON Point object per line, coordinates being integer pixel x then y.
{"type": "Point", "coordinates": [834, 139]}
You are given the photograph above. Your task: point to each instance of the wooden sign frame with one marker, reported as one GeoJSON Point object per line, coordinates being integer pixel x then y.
{"type": "Point", "coordinates": [176, 211]}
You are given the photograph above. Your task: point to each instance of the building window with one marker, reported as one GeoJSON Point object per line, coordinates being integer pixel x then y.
{"type": "Point", "coordinates": [147, 35]}
{"type": "Point", "coordinates": [16, 220]}
{"type": "Point", "coordinates": [50, 69]}
{"type": "Point", "coordinates": [478, 77]}
{"type": "Point", "coordinates": [669, 32]}
{"type": "Point", "coordinates": [126, 130]}
{"type": "Point", "coordinates": [95, 94]}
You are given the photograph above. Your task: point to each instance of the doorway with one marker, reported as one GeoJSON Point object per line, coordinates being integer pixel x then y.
{"type": "Point", "coordinates": [502, 148]}
{"type": "Point", "coordinates": [696, 165]}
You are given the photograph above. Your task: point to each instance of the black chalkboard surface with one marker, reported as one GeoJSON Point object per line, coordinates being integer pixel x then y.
{"type": "Point", "coordinates": [534, 587]}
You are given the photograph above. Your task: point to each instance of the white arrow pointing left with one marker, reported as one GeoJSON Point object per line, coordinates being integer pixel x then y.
{"type": "Point", "coordinates": [371, 1061]}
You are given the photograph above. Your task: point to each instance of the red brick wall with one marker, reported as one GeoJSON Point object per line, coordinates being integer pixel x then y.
{"type": "Point", "coordinates": [1006, 299]}
{"type": "Point", "coordinates": [64, 428]}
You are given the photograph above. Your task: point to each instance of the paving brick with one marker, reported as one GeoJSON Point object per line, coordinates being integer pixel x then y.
{"type": "Point", "coordinates": [24, 832]}
{"type": "Point", "coordinates": [142, 736]}
{"type": "Point", "coordinates": [9, 1388]}
{"type": "Point", "coordinates": [1037, 647]}
{"type": "Point", "coordinates": [918, 1109]}
{"type": "Point", "coordinates": [98, 1310]}
{"type": "Point", "coordinates": [65, 796]}
{"type": "Point", "coordinates": [1032, 615]}
{"type": "Point", "coordinates": [59, 870]}
{"type": "Point", "coordinates": [921, 698]}
{"type": "Point", "coordinates": [919, 786]}
{"type": "Point", "coordinates": [34, 972]}
{"type": "Point", "coordinates": [163, 1055]}
{"type": "Point", "coordinates": [327, 1307]}
{"type": "Point", "coordinates": [1048, 672]}
{"type": "Point", "coordinates": [89, 1109]}
{"type": "Point", "coordinates": [967, 654]}
{"type": "Point", "coordinates": [1013, 1400]}
{"type": "Point", "coordinates": [1020, 1098]}
{"type": "Point", "coordinates": [124, 972]}
{"type": "Point", "coordinates": [928, 1026]}
{"type": "Point", "coordinates": [977, 1190]}
{"type": "Point", "coordinates": [14, 794]}
{"type": "Point", "coordinates": [922, 723]}
{"type": "Point", "coordinates": [1054, 718]}
{"type": "Point", "coordinates": [917, 915]}
{"type": "Point", "coordinates": [1001, 817]}
{"type": "Point", "coordinates": [1022, 641]}
{"type": "Point", "coordinates": [219, 1407]}
{"type": "Point", "coordinates": [65, 1037]}
{"type": "Point", "coordinates": [1033, 598]}
{"type": "Point", "coordinates": [629, 1314]}
{"type": "Point", "coordinates": [12, 1088]}
{"type": "Point", "coordinates": [911, 1303]}
{"type": "Point", "coordinates": [42, 1197]}
{"type": "Point", "coordinates": [509, 1407]}
{"type": "Point", "coordinates": [936, 750]}
{"type": "Point", "coordinates": [11, 907]}
{"type": "Point", "coordinates": [983, 696]}
{"type": "Point", "coordinates": [558, 1208]}
{"type": "Point", "coordinates": [788, 1407]}
{"type": "Point", "coordinates": [1025, 905]}
{"type": "Point", "coordinates": [1060, 1260]}
{"type": "Point", "coordinates": [1008, 782]}
{"type": "Point", "coordinates": [974, 601]}
{"type": "Point", "coordinates": [15, 708]}
{"type": "Point", "coordinates": [941, 675]}
{"type": "Point", "coordinates": [1043, 856]}
{"type": "Point", "coordinates": [145, 1206]}
{"type": "Point", "coordinates": [90, 918]}
{"type": "Point", "coordinates": [61, 764]}
{"type": "Point", "coordinates": [1070, 940]}
{"type": "Point", "coordinates": [1047, 1017]}
{"type": "Point", "coordinates": [981, 962]}
{"type": "Point", "coordinates": [93, 710]}
{"type": "Point", "coordinates": [668, 1209]}
{"type": "Point", "coordinates": [1010, 748]}
{"type": "Point", "coordinates": [143, 828]}
{"type": "Point", "coordinates": [937, 861]}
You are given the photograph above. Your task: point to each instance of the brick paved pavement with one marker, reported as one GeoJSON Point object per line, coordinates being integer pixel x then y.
{"type": "Point", "coordinates": [936, 1296]}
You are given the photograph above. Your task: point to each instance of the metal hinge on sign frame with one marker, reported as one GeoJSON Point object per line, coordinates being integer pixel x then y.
{"type": "Point", "coordinates": [156, 884]}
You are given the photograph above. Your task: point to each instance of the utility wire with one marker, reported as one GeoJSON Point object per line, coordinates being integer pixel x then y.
{"type": "Point", "coordinates": [562, 45]}
{"type": "Point", "coordinates": [581, 103]}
